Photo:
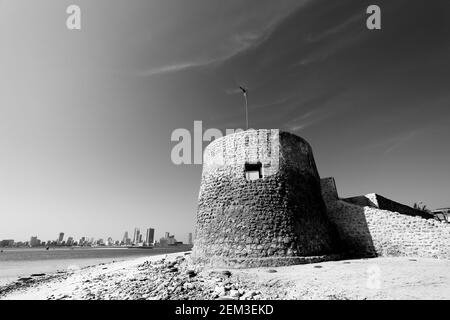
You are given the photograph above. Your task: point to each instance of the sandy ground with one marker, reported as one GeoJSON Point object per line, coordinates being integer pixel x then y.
{"type": "Point", "coordinates": [373, 279]}
{"type": "Point", "coordinates": [379, 278]}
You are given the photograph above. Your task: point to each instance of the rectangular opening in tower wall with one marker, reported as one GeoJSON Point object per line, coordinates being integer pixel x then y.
{"type": "Point", "coordinates": [253, 171]}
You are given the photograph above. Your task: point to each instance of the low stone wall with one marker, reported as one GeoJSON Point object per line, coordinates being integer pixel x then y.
{"type": "Point", "coordinates": [380, 202]}
{"type": "Point", "coordinates": [368, 231]}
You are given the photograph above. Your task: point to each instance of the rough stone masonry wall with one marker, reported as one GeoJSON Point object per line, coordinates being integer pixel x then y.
{"type": "Point", "coordinates": [380, 202]}
{"type": "Point", "coordinates": [368, 231]}
{"type": "Point", "coordinates": [277, 220]}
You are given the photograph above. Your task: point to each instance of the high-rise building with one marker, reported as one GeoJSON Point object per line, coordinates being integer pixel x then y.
{"type": "Point", "coordinates": [171, 240]}
{"type": "Point", "coordinates": [168, 240]}
{"type": "Point", "coordinates": [7, 243]}
{"type": "Point", "coordinates": [69, 241]}
{"type": "Point", "coordinates": [60, 238]}
{"type": "Point", "coordinates": [136, 235]}
{"type": "Point", "coordinates": [34, 242]}
{"type": "Point", "coordinates": [150, 236]}
{"type": "Point", "coordinates": [125, 238]}
{"type": "Point", "coordinates": [190, 238]}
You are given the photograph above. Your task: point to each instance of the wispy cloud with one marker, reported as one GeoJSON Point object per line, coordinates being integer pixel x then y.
{"type": "Point", "coordinates": [171, 68]}
{"type": "Point", "coordinates": [331, 32]}
{"type": "Point", "coordinates": [330, 41]}
{"type": "Point", "coordinates": [308, 119]}
{"type": "Point", "coordinates": [245, 36]}
{"type": "Point", "coordinates": [237, 44]}
{"type": "Point", "coordinates": [389, 145]}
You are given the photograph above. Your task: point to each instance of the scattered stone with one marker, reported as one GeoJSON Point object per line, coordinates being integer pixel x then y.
{"type": "Point", "coordinates": [147, 281]}
{"type": "Point", "coordinates": [191, 273]}
{"type": "Point", "coordinates": [234, 293]}
{"type": "Point", "coordinates": [25, 279]}
{"type": "Point", "coordinates": [220, 291]}
{"type": "Point", "coordinates": [226, 273]}
{"type": "Point", "coordinates": [318, 267]}
{"type": "Point", "coordinates": [188, 286]}
{"type": "Point", "coordinates": [248, 295]}
{"type": "Point", "coordinates": [214, 295]}
{"type": "Point", "coordinates": [38, 274]}
{"type": "Point", "coordinates": [271, 271]}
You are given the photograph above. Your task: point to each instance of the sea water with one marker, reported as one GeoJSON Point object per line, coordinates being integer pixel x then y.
{"type": "Point", "coordinates": [20, 262]}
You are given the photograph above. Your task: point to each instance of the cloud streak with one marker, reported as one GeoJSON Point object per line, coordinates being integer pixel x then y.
{"type": "Point", "coordinates": [389, 145]}
{"type": "Point", "coordinates": [243, 33]}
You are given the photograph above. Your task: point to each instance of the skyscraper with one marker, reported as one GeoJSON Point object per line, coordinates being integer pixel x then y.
{"type": "Point", "coordinates": [125, 238]}
{"type": "Point", "coordinates": [136, 235]}
{"type": "Point", "coordinates": [34, 242]}
{"type": "Point", "coordinates": [60, 238]}
{"type": "Point", "coordinates": [150, 235]}
{"type": "Point", "coordinates": [190, 238]}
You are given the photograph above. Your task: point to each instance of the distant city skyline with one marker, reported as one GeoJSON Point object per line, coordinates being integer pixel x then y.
{"type": "Point", "coordinates": [150, 234]}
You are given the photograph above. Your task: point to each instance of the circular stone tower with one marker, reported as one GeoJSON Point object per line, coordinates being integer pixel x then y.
{"type": "Point", "coordinates": [260, 203]}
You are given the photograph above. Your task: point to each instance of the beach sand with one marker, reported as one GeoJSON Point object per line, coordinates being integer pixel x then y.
{"type": "Point", "coordinates": [172, 276]}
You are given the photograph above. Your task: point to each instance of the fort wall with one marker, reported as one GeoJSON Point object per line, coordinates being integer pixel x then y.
{"type": "Point", "coordinates": [369, 231]}
{"type": "Point", "coordinates": [380, 202]}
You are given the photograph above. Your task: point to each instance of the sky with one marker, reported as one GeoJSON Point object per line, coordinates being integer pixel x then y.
{"type": "Point", "coordinates": [86, 116]}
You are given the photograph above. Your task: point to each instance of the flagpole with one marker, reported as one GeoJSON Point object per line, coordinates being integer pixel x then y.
{"type": "Point", "coordinates": [246, 110]}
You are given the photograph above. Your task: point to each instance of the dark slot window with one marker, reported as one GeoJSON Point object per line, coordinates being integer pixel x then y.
{"type": "Point", "coordinates": [253, 171]}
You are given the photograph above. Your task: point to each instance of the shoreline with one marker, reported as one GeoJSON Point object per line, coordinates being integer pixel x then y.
{"type": "Point", "coordinates": [25, 287]}
{"type": "Point", "coordinates": [172, 276]}
{"type": "Point", "coordinates": [16, 263]}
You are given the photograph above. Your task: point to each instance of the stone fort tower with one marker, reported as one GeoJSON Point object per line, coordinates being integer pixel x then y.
{"type": "Point", "coordinates": [260, 203]}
